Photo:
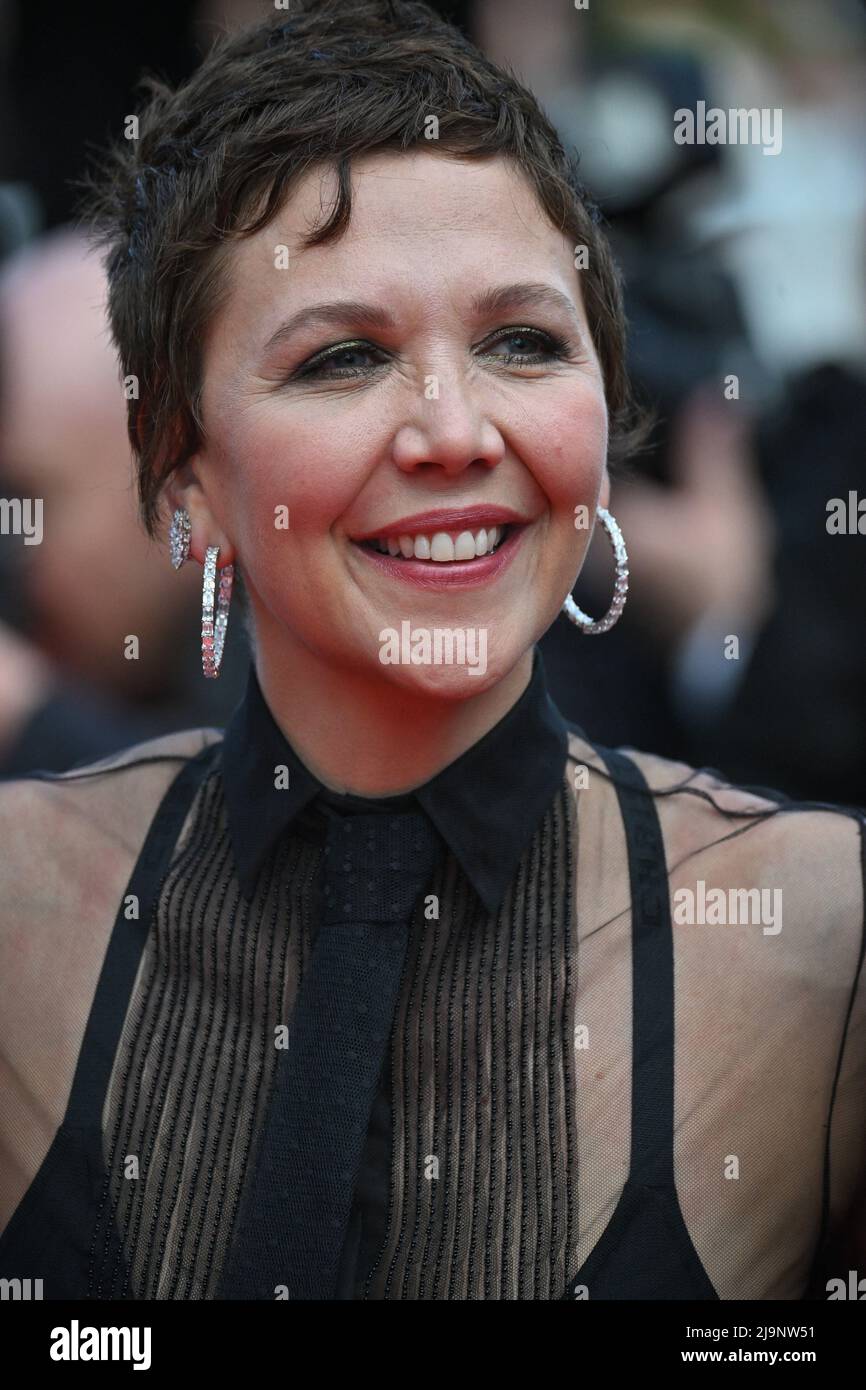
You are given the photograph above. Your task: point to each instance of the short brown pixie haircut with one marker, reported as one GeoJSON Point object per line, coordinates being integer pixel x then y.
{"type": "Point", "coordinates": [218, 156]}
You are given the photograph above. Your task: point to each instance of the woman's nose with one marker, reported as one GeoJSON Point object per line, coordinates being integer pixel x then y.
{"type": "Point", "coordinates": [448, 430]}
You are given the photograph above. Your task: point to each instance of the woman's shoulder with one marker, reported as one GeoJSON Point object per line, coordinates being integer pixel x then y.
{"type": "Point", "coordinates": [100, 806]}
{"type": "Point", "coordinates": [70, 843]}
{"type": "Point", "coordinates": [718, 834]}
{"type": "Point", "coordinates": [692, 794]}
{"type": "Point", "coordinates": [70, 840]}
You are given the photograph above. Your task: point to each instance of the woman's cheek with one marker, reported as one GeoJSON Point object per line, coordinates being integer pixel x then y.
{"type": "Point", "coordinates": [569, 455]}
{"type": "Point", "coordinates": [291, 486]}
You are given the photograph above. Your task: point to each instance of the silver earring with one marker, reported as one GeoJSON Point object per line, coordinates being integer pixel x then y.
{"type": "Point", "coordinates": [178, 537]}
{"type": "Point", "coordinates": [213, 628]}
{"type": "Point", "coordinates": [582, 620]}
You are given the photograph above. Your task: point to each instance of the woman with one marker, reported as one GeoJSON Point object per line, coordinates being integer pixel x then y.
{"type": "Point", "coordinates": [380, 996]}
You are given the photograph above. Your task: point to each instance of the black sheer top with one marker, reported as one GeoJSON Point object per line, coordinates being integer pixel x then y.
{"type": "Point", "coordinates": [624, 1057]}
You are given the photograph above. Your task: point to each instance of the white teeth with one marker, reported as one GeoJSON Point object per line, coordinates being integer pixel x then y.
{"type": "Point", "coordinates": [464, 546]}
{"type": "Point", "coordinates": [441, 546]}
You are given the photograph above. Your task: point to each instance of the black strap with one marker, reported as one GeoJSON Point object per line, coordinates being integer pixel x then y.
{"type": "Point", "coordinates": [652, 1098]}
{"type": "Point", "coordinates": [128, 937]}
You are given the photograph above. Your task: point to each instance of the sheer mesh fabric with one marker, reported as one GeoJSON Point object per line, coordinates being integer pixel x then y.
{"type": "Point", "coordinates": [68, 845]}
{"type": "Point", "coordinates": [759, 1021]}
{"type": "Point", "coordinates": [531, 1132]}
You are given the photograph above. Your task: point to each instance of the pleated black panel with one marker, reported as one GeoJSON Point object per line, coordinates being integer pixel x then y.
{"type": "Point", "coordinates": [484, 1174]}
{"type": "Point", "coordinates": [193, 1072]}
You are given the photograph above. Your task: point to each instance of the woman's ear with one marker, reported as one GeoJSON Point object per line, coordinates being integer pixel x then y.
{"type": "Point", "coordinates": [183, 489]}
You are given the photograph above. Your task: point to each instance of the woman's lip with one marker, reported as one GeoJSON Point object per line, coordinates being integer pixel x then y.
{"type": "Point", "coordinates": [447, 519]}
{"type": "Point", "coordinates": [460, 574]}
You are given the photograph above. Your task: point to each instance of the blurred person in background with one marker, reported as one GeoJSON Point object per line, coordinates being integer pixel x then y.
{"type": "Point", "coordinates": [73, 684]}
{"type": "Point", "coordinates": [735, 263]}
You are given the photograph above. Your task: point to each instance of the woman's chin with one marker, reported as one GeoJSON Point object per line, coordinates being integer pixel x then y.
{"type": "Point", "coordinates": [458, 674]}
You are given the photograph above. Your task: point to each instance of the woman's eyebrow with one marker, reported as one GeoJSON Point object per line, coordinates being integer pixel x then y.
{"type": "Point", "coordinates": [491, 301]}
{"type": "Point", "coordinates": [521, 296]}
{"type": "Point", "coordinates": [336, 312]}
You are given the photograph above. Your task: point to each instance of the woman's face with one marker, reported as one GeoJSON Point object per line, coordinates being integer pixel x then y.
{"type": "Point", "coordinates": [450, 406]}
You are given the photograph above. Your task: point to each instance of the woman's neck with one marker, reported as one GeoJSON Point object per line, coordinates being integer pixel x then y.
{"type": "Point", "coordinates": [371, 737]}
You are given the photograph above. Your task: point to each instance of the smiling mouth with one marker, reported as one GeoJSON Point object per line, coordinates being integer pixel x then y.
{"type": "Point", "coordinates": [441, 547]}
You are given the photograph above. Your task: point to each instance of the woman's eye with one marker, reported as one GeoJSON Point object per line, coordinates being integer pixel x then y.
{"type": "Point", "coordinates": [529, 346]}
{"type": "Point", "coordinates": [533, 346]}
{"type": "Point", "coordinates": [328, 363]}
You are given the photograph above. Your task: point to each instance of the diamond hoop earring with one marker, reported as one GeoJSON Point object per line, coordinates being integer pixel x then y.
{"type": "Point", "coordinates": [213, 629]}
{"type": "Point", "coordinates": [178, 537]}
{"type": "Point", "coordinates": [582, 620]}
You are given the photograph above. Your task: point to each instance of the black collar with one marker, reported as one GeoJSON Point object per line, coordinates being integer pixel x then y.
{"type": "Point", "coordinates": [485, 805]}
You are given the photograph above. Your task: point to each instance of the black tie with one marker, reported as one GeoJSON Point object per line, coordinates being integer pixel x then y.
{"type": "Point", "coordinates": [294, 1217]}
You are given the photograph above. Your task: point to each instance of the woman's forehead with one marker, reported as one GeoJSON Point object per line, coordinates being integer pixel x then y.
{"type": "Point", "coordinates": [408, 188]}
{"type": "Point", "coordinates": [417, 220]}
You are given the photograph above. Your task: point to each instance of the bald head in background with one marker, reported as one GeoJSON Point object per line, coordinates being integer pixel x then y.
{"type": "Point", "coordinates": [96, 578]}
